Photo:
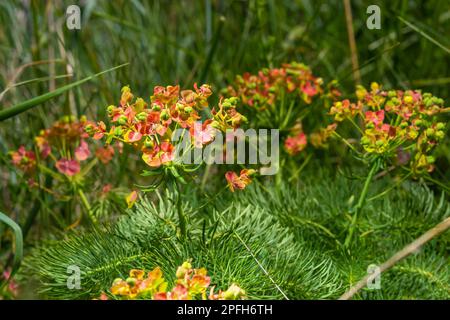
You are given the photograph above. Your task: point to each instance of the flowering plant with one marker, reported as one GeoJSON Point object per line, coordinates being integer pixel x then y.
{"type": "Point", "coordinates": [62, 152]}
{"type": "Point", "coordinates": [190, 284]}
{"type": "Point", "coordinates": [396, 127]}
{"type": "Point", "coordinates": [282, 98]}
{"type": "Point", "coordinates": [149, 127]}
{"type": "Point", "coordinates": [400, 127]}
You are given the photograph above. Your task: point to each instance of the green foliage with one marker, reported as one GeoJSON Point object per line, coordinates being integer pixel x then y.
{"type": "Point", "coordinates": [147, 238]}
{"type": "Point", "coordinates": [295, 233]}
{"type": "Point", "coordinates": [316, 212]}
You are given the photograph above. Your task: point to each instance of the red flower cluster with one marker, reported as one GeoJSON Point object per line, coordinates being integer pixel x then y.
{"type": "Point", "coordinates": [24, 159]}
{"type": "Point", "coordinates": [263, 89]}
{"type": "Point", "coordinates": [65, 144]}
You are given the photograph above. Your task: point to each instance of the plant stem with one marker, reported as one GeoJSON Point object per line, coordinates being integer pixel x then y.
{"type": "Point", "coordinates": [360, 204]}
{"type": "Point", "coordinates": [180, 212]}
{"type": "Point", "coordinates": [385, 192]}
{"type": "Point", "coordinates": [87, 206]}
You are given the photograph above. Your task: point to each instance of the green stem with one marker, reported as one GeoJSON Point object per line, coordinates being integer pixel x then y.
{"type": "Point", "coordinates": [303, 165]}
{"type": "Point", "coordinates": [87, 206]}
{"type": "Point", "coordinates": [360, 204]}
{"type": "Point", "coordinates": [181, 215]}
{"type": "Point", "coordinates": [391, 188]}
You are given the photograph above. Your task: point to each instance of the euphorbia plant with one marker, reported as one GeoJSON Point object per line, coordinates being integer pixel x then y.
{"type": "Point", "coordinates": [272, 96]}
{"type": "Point", "coordinates": [397, 129]}
{"type": "Point", "coordinates": [63, 153]}
{"type": "Point", "coordinates": [282, 98]}
{"type": "Point", "coordinates": [150, 127]}
{"type": "Point", "coordinates": [190, 284]}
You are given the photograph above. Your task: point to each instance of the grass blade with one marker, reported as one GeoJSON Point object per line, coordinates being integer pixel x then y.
{"type": "Point", "coordinates": [26, 105]}
{"type": "Point", "coordinates": [18, 255]}
{"type": "Point", "coordinates": [423, 34]}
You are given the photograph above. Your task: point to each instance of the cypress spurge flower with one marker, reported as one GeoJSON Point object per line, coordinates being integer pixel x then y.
{"type": "Point", "coordinates": [190, 284]}
{"type": "Point", "coordinates": [63, 152]}
{"type": "Point", "coordinates": [395, 120]}
{"type": "Point", "coordinates": [148, 125]}
{"type": "Point", "coordinates": [240, 181]}
{"type": "Point", "coordinates": [396, 127]}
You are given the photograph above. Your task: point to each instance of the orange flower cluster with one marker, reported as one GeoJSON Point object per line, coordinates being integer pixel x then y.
{"type": "Point", "coordinates": [261, 90]}
{"type": "Point", "coordinates": [240, 181]}
{"type": "Point", "coordinates": [190, 284]}
{"type": "Point", "coordinates": [396, 121]}
{"type": "Point", "coordinates": [149, 126]}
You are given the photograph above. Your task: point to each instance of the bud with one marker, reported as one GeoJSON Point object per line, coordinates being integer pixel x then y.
{"type": "Point", "coordinates": [408, 99]}
{"type": "Point", "coordinates": [430, 132]}
{"type": "Point", "coordinates": [148, 143]}
{"type": "Point", "coordinates": [122, 120]}
{"type": "Point", "coordinates": [110, 109]}
{"type": "Point", "coordinates": [188, 109]}
{"type": "Point", "coordinates": [440, 135]}
{"type": "Point", "coordinates": [131, 281]}
{"type": "Point", "coordinates": [179, 107]}
{"type": "Point", "coordinates": [226, 104]}
{"type": "Point", "coordinates": [392, 93]}
{"type": "Point", "coordinates": [88, 128]}
{"type": "Point", "coordinates": [370, 125]}
{"type": "Point", "coordinates": [365, 140]}
{"type": "Point", "coordinates": [379, 143]}
{"type": "Point", "coordinates": [233, 100]}
{"type": "Point", "coordinates": [181, 272]}
{"type": "Point", "coordinates": [118, 131]}
{"type": "Point", "coordinates": [156, 107]}
{"type": "Point", "coordinates": [440, 126]}
{"type": "Point", "coordinates": [428, 102]}
{"type": "Point", "coordinates": [430, 159]}
{"type": "Point", "coordinates": [234, 292]}
{"type": "Point", "coordinates": [187, 265]}
{"type": "Point", "coordinates": [142, 116]}
{"type": "Point", "coordinates": [139, 105]}
{"type": "Point", "coordinates": [165, 115]}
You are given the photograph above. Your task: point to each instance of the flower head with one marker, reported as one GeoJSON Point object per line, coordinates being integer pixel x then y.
{"type": "Point", "coordinates": [239, 181]}
{"type": "Point", "coordinates": [396, 120]}
{"type": "Point", "coordinates": [23, 159]}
